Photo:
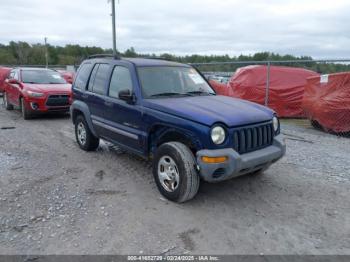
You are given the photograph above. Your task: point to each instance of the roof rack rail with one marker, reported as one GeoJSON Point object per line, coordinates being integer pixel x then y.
{"type": "Point", "coordinates": [153, 57]}
{"type": "Point", "coordinates": [103, 56]}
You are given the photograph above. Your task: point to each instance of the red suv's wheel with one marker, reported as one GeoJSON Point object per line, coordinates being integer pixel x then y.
{"type": "Point", "coordinates": [25, 112]}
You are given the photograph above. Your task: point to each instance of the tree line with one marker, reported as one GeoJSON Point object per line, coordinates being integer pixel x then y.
{"type": "Point", "coordinates": [23, 53]}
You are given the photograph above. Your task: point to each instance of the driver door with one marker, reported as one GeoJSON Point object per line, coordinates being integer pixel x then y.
{"type": "Point", "coordinates": [123, 118]}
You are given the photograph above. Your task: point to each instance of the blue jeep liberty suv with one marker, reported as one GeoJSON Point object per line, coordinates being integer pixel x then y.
{"type": "Point", "coordinates": [167, 112]}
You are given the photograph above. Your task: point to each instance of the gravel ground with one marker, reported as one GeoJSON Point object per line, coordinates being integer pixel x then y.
{"type": "Point", "coordinates": [57, 199]}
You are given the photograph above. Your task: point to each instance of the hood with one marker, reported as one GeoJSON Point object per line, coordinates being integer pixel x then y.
{"type": "Point", "coordinates": [49, 88]}
{"type": "Point", "coordinates": [209, 110]}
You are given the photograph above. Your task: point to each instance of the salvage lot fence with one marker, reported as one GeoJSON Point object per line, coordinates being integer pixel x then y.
{"type": "Point", "coordinates": [338, 120]}
{"type": "Point", "coordinates": [227, 69]}
{"type": "Point", "coordinates": [330, 110]}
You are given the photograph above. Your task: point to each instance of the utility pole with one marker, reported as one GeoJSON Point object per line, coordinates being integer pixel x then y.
{"type": "Point", "coordinates": [114, 30]}
{"type": "Point", "coordinates": [46, 54]}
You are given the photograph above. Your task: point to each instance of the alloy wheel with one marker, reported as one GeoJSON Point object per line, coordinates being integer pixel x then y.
{"type": "Point", "coordinates": [168, 174]}
{"type": "Point", "coordinates": [81, 133]}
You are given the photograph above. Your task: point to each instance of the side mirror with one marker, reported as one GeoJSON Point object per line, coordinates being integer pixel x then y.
{"type": "Point", "coordinates": [15, 82]}
{"type": "Point", "coordinates": [126, 95]}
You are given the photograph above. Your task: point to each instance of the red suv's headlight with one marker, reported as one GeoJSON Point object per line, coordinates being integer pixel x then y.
{"type": "Point", "coordinates": [35, 94]}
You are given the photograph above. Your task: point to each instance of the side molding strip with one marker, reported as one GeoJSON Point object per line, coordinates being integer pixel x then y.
{"type": "Point", "coordinates": [115, 130]}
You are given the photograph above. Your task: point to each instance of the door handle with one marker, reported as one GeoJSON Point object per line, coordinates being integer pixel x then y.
{"type": "Point", "coordinates": [109, 104]}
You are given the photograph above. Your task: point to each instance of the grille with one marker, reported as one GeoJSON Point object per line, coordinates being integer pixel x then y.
{"type": "Point", "coordinates": [250, 138]}
{"type": "Point", "coordinates": [58, 100]}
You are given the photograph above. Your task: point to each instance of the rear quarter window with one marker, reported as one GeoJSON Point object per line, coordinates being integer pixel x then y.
{"type": "Point", "coordinates": [83, 76]}
{"type": "Point", "coordinates": [100, 80]}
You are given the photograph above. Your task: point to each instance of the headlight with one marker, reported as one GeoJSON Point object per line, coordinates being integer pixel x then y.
{"type": "Point", "coordinates": [35, 94]}
{"type": "Point", "coordinates": [218, 135]}
{"type": "Point", "coordinates": [276, 124]}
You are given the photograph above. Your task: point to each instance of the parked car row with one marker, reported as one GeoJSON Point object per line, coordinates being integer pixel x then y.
{"type": "Point", "coordinates": [159, 110]}
{"type": "Point", "coordinates": [36, 91]}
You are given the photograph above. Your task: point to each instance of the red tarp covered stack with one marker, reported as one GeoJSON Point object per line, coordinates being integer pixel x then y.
{"type": "Point", "coordinates": [4, 71]}
{"type": "Point", "coordinates": [327, 101]}
{"type": "Point", "coordinates": [286, 91]}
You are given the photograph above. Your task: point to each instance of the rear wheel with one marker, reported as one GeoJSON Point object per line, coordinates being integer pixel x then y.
{"type": "Point", "coordinates": [6, 103]}
{"type": "Point", "coordinates": [315, 124]}
{"type": "Point", "coordinates": [25, 112]}
{"type": "Point", "coordinates": [175, 173]}
{"type": "Point", "coordinates": [86, 140]}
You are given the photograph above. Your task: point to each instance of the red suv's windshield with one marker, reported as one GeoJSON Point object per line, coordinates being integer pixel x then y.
{"type": "Point", "coordinates": [42, 77]}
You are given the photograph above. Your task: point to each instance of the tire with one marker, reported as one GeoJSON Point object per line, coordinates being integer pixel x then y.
{"type": "Point", "coordinates": [184, 182]}
{"type": "Point", "coordinates": [25, 112]}
{"type": "Point", "coordinates": [6, 103]}
{"type": "Point", "coordinates": [317, 125]}
{"type": "Point", "coordinates": [85, 139]}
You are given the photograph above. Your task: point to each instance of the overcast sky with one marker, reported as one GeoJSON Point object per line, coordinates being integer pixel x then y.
{"type": "Point", "coordinates": [320, 28]}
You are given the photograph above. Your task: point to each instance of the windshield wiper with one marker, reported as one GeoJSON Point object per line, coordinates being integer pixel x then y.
{"type": "Point", "coordinates": [200, 93]}
{"type": "Point", "coordinates": [168, 94]}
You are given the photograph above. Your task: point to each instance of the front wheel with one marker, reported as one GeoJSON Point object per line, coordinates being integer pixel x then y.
{"type": "Point", "coordinates": [175, 173]}
{"type": "Point", "coordinates": [6, 103]}
{"type": "Point", "coordinates": [25, 112]}
{"type": "Point", "coordinates": [86, 140]}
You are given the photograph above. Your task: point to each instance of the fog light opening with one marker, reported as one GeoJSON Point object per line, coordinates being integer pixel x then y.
{"type": "Point", "coordinates": [34, 106]}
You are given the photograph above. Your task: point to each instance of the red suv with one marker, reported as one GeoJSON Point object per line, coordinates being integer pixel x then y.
{"type": "Point", "coordinates": [37, 90]}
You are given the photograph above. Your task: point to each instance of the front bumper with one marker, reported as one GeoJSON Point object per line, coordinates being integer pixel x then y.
{"type": "Point", "coordinates": [38, 105]}
{"type": "Point", "coordinates": [237, 164]}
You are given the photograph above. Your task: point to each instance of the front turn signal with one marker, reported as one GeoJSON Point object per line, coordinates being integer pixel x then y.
{"type": "Point", "coordinates": [214, 160]}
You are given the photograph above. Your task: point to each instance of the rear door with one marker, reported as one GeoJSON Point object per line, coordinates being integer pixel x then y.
{"type": "Point", "coordinates": [97, 89]}
{"type": "Point", "coordinates": [95, 94]}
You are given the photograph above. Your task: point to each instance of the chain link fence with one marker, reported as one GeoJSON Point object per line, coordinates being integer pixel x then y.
{"type": "Point", "coordinates": [322, 96]}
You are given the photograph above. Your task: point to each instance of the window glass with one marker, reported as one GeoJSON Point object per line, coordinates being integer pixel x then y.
{"type": "Point", "coordinates": [121, 80]}
{"type": "Point", "coordinates": [40, 76]}
{"type": "Point", "coordinates": [11, 75]}
{"type": "Point", "coordinates": [83, 76]}
{"type": "Point", "coordinates": [162, 81]}
{"type": "Point", "coordinates": [100, 79]}
{"type": "Point", "coordinates": [15, 75]}
{"type": "Point", "coordinates": [92, 77]}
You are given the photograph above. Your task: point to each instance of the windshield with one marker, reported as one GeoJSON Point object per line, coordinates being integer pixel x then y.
{"type": "Point", "coordinates": [42, 77]}
{"type": "Point", "coordinates": [162, 81]}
